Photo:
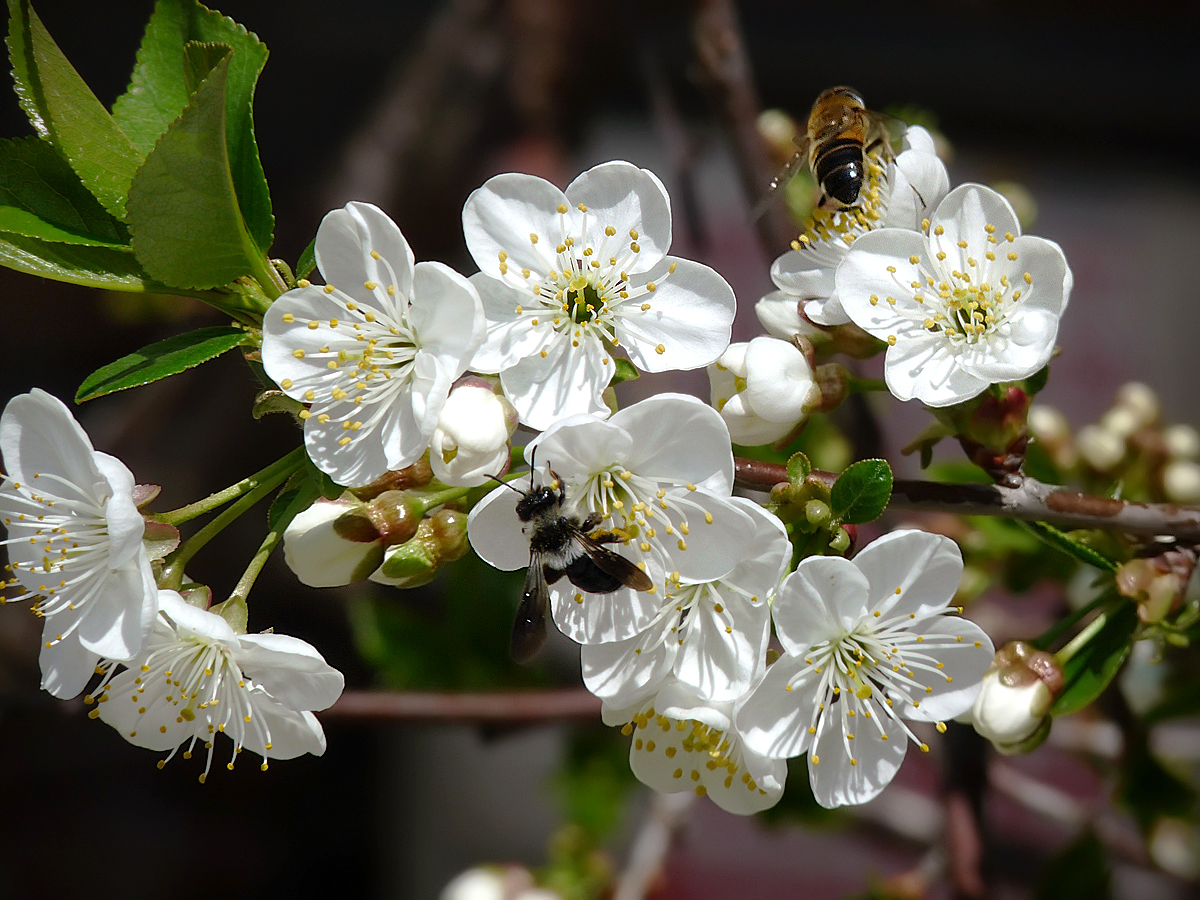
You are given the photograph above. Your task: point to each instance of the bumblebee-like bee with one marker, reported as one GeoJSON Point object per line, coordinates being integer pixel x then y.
{"type": "Point", "coordinates": [563, 544]}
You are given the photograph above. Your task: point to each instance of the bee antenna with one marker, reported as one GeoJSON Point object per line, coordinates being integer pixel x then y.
{"type": "Point", "coordinates": [501, 481]}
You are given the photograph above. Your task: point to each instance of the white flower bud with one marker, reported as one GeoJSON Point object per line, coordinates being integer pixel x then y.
{"type": "Point", "coordinates": [1121, 421]}
{"type": "Point", "coordinates": [1140, 401]}
{"type": "Point", "coordinates": [476, 884]}
{"type": "Point", "coordinates": [470, 442]}
{"type": "Point", "coordinates": [1101, 449]}
{"type": "Point", "coordinates": [1181, 481]}
{"type": "Point", "coordinates": [1009, 715]}
{"type": "Point", "coordinates": [1048, 425]}
{"type": "Point", "coordinates": [763, 390]}
{"type": "Point", "coordinates": [1183, 441]}
{"type": "Point", "coordinates": [779, 314]}
{"type": "Point", "coordinates": [332, 543]}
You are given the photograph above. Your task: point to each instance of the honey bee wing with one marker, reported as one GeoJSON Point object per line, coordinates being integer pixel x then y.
{"type": "Point", "coordinates": [883, 128]}
{"type": "Point", "coordinates": [529, 626]}
{"type": "Point", "coordinates": [798, 161]}
{"type": "Point", "coordinates": [614, 564]}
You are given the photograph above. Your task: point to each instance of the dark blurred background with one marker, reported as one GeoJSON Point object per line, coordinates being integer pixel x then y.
{"type": "Point", "coordinates": [411, 105]}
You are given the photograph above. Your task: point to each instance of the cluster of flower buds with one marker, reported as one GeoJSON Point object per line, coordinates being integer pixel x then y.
{"type": "Point", "coordinates": [1012, 709]}
{"type": "Point", "coordinates": [394, 531]}
{"type": "Point", "coordinates": [804, 505]}
{"type": "Point", "coordinates": [1158, 584]}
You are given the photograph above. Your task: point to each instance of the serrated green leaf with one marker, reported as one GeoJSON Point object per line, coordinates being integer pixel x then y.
{"type": "Point", "coordinates": [307, 261]}
{"type": "Point", "coordinates": [158, 93]}
{"type": "Point", "coordinates": [169, 357]}
{"type": "Point", "coordinates": [1090, 670]}
{"type": "Point", "coordinates": [65, 112]}
{"type": "Point", "coordinates": [101, 267]}
{"type": "Point", "coordinates": [626, 371]}
{"type": "Point", "coordinates": [798, 468]}
{"type": "Point", "coordinates": [42, 197]}
{"type": "Point", "coordinates": [188, 230]}
{"type": "Point", "coordinates": [862, 491]}
{"type": "Point", "coordinates": [1065, 543]}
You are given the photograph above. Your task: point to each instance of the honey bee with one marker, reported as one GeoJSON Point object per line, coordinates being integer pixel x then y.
{"type": "Point", "coordinates": [563, 544]}
{"type": "Point", "coordinates": [840, 134]}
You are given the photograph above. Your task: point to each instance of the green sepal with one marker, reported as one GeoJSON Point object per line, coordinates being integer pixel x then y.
{"type": "Point", "coordinates": [159, 539]}
{"type": "Point", "coordinates": [862, 491]}
{"type": "Point", "coordinates": [1090, 670]}
{"type": "Point", "coordinates": [307, 261]}
{"type": "Point", "coordinates": [157, 361]}
{"type": "Point", "coordinates": [65, 112]}
{"type": "Point", "coordinates": [625, 371]}
{"type": "Point", "coordinates": [798, 468]}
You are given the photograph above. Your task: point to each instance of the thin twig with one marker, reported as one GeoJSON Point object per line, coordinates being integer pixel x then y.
{"type": "Point", "coordinates": [664, 818]}
{"type": "Point", "coordinates": [1032, 501]}
{"type": "Point", "coordinates": [508, 707]}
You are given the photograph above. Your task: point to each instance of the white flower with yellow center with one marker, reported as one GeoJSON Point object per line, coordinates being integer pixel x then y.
{"type": "Point", "coordinates": [969, 303]}
{"type": "Point", "coordinates": [896, 193]}
{"type": "Point", "coordinates": [659, 473]}
{"type": "Point", "coordinates": [74, 542]}
{"type": "Point", "coordinates": [869, 643]}
{"type": "Point", "coordinates": [196, 679]}
{"type": "Point", "coordinates": [375, 350]}
{"type": "Point", "coordinates": [682, 742]}
{"type": "Point", "coordinates": [567, 277]}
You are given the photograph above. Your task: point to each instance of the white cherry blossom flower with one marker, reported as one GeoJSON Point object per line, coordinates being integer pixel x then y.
{"type": "Point", "coordinates": [375, 350]}
{"type": "Point", "coordinates": [196, 679]}
{"type": "Point", "coordinates": [74, 542]}
{"type": "Point", "coordinates": [682, 742]}
{"type": "Point", "coordinates": [712, 635]}
{"type": "Point", "coordinates": [565, 277]}
{"type": "Point", "coordinates": [969, 304]}
{"type": "Point", "coordinates": [470, 443]}
{"type": "Point", "coordinates": [897, 193]}
{"type": "Point", "coordinates": [763, 389]}
{"type": "Point", "coordinates": [659, 473]}
{"type": "Point", "coordinates": [869, 643]}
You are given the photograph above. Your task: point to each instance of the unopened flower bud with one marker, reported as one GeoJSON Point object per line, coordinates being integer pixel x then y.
{"type": "Point", "coordinates": [450, 531]}
{"type": "Point", "coordinates": [1140, 402]}
{"type": "Point", "coordinates": [1015, 696]}
{"type": "Point", "coordinates": [1052, 431]}
{"type": "Point", "coordinates": [1121, 422]}
{"type": "Point", "coordinates": [1157, 583]}
{"type": "Point", "coordinates": [417, 475]}
{"type": "Point", "coordinates": [1181, 481]}
{"type": "Point", "coordinates": [488, 883]}
{"type": "Point", "coordinates": [331, 543]}
{"type": "Point", "coordinates": [470, 443]}
{"type": "Point", "coordinates": [1181, 441]}
{"type": "Point", "coordinates": [764, 390]}
{"type": "Point", "coordinates": [439, 539]}
{"type": "Point", "coordinates": [1100, 448]}
{"type": "Point", "coordinates": [395, 516]}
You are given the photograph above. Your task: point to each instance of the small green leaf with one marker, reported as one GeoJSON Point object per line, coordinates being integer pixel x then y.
{"type": "Point", "coordinates": [307, 261]}
{"type": "Point", "coordinates": [269, 402]}
{"type": "Point", "coordinates": [1069, 545]}
{"type": "Point", "coordinates": [862, 491]}
{"type": "Point", "coordinates": [1089, 671]}
{"type": "Point", "coordinates": [159, 91]}
{"type": "Point", "coordinates": [188, 230]}
{"type": "Point", "coordinates": [100, 266]}
{"type": "Point", "coordinates": [159, 539]}
{"type": "Point", "coordinates": [65, 112]}
{"type": "Point", "coordinates": [798, 468]}
{"type": "Point", "coordinates": [42, 197]}
{"type": "Point", "coordinates": [626, 371]}
{"type": "Point", "coordinates": [169, 357]}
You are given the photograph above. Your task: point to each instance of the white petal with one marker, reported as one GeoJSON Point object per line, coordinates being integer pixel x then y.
{"type": "Point", "coordinates": [678, 439]}
{"type": "Point", "coordinates": [837, 782]}
{"type": "Point", "coordinates": [710, 549]}
{"type": "Point", "coordinates": [495, 531]}
{"type": "Point", "coordinates": [956, 684]}
{"type": "Point", "coordinates": [910, 571]}
{"type": "Point", "coordinates": [292, 733]}
{"type": "Point", "coordinates": [291, 670]}
{"type": "Point", "coordinates": [500, 216]}
{"type": "Point", "coordinates": [690, 318]}
{"type": "Point", "coordinates": [825, 597]}
{"type": "Point", "coordinates": [343, 248]}
{"type": "Point", "coordinates": [116, 622]}
{"type": "Point", "coordinates": [364, 458]}
{"type": "Point", "coordinates": [622, 672]}
{"type": "Point", "coordinates": [66, 667]}
{"type": "Point", "coordinates": [39, 434]}
{"type": "Point", "coordinates": [808, 274]}
{"type": "Point", "coordinates": [602, 618]}
{"type": "Point", "coordinates": [189, 619]}
{"type": "Point", "coordinates": [447, 315]}
{"type": "Point", "coordinates": [567, 381]}
{"type": "Point", "coordinates": [919, 181]}
{"type": "Point", "coordinates": [620, 194]}
{"type": "Point", "coordinates": [723, 653]}
{"type": "Point", "coordinates": [579, 446]}
{"type": "Point", "coordinates": [929, 370]}
{"type": "Point", "coordinates": [779, 314]}
{"type": "Point", "coordinates": [779, 382]}
{"type": "Point", "coordinates": [510, 337]}
{"type": "Point", "coordinates": [964, 213]}
{"type": "Point", "coordinates": [774, 721]}
{"type": "Point", "coordinates": [123, 521]}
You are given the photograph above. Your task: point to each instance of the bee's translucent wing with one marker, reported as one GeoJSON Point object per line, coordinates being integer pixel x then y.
{"type": "Point", "coordinates": [529, 627]}
{"type": "Point", "coordinates": [619, 567]}
{"type": "Point", "coordinates": [798, 161]}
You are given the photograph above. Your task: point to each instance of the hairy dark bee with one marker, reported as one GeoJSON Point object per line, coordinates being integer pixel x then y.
{"type": "Point", "coordinates": [841, 131]}
{"type": "Point", "coordinates": [563, 544]}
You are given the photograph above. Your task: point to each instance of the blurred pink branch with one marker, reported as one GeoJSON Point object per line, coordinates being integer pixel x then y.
{"type": "Point", "coordinates": [507, 707]}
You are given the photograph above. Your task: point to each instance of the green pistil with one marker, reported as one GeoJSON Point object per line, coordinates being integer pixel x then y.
{"type": "Point", "coordinates": [583, 301]}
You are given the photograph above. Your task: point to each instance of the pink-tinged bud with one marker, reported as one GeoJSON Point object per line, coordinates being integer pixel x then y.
{"type": "Point", "coordinates": [1012, 709]}
{"type": "Point", "coordinates": [1156, 584]}
{"type": "Point", "coordinates": [470, 443]}
{"type": "Point", "coordinates": [333, 542]}
{"type": "Point", "coordinates": [396, 516]}
{"type": "Point", "coordinates": [417, 475]}
{"type": "Point", "coordinates": [833, 381]}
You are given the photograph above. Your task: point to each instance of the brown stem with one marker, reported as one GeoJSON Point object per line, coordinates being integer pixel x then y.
{"type": "Point", "coordinates": [1032, 501]}
{"type": "Point", "coordinates": [717, 39]}
{"type": "Point", "coordinates": [509, 708]}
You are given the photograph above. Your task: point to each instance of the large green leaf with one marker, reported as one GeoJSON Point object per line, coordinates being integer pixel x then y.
{"type": "Point", "coordinates": [42, 197]}
{"type": "Point", "coordinates": [160, 360]}
{"type": "Point", "coordinates": [158, 93]}
{"type": "Point", "coordinates": [1089, 671]}
{"type": "Point", "coordinates": [188, 229]}
{"type": "Point", "coordinates": [101, 267]}
{"type": "Point", "coordinates": [65, 112]}
{"type": "Point", "coordinates": [862, 491]}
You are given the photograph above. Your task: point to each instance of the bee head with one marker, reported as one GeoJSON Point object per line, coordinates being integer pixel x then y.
{"type": "Point", "coordinates": [537, 502]}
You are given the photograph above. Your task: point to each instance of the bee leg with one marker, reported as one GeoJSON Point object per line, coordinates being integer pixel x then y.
{"type": "Point", "coordinates": [559, 490]}
{"type": "Point", "coordinates": [551, 575]}
{"type": "Point", "coordinates": [591, 523]}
